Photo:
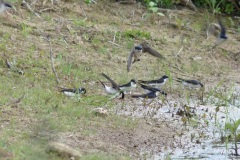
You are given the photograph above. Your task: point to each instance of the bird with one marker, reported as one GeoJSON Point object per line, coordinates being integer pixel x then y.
{"type": "Point", "coordinates": [4, 6]}
{"type": "Point", "coordinates": [213, 29]}
{"type": "Point", "coordinates": [149, 95]}
{"type": "Point", "coordinates": [190, 83]}
{"type": "Point", "coordinates": [137, 51]}
{"type": "Point", "coordinates": [114, 89]}
{"type": "Point", "coordinates": [129, 86]}
{"type": "Point", "coordinates": [73, 92]}
{"type": "Point", "coordinates": [149, 89]}
{"type": "Point", "coordinates": [151, 92]}
{"type": "Point", "coordinates": [222, 36]}
{"type": "Point", "coordinates": [156, 83]}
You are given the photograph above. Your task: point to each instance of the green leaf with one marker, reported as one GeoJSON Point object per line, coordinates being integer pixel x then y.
{"type": "Point", "coordinates": [154, 9]}
{"type": "Point", "coordinates": [229, 126]}
{"type": "Point", "coordinates": [152, 4]}
{"type": "Point", "coordinates": [237, 123]}
{"type": "Point", "coordinates": [161, 14]}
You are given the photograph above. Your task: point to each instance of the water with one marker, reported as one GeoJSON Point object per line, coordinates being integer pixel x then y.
{"type": "Point", "coordinates": [200, 138]}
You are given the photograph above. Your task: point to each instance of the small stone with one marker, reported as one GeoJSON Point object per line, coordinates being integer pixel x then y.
{"type": "Point", "coordinates": [63, 150]}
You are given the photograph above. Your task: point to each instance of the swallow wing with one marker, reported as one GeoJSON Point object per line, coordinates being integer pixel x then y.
{"type": "Point", "coordinates": [67, 90]}
{"type": "Point", "coordinates": [223, 30]}
{"type": "Point", "coordinates": [152, 89]}
{"type": "Point", "coordinates": [151, 51]}
{"type": "Point", "coordinates": [114, 85]}
{"type": "Point", "coordinates": [195, 82]}
{"type": "Point", "coordinates": [149, 95]}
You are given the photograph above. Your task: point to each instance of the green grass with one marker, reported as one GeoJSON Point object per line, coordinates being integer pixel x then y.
{"type": "Point", "coordinates": [44, 113]}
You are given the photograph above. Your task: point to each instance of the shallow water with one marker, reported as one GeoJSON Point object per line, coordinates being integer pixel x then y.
{"type": "Point", "coordinates": [200, 138]}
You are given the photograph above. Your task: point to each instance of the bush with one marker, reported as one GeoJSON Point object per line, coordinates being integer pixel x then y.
{"type": "Point", "coordinates": [215, 6]}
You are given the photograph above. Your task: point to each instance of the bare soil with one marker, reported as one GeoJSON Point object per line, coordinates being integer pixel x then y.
{"type": "Point", "coordinates": [90, 41]}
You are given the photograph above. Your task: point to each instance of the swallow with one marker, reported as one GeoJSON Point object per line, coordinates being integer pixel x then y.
{"type": "Point", "coordinates": [156, 83]}
{"type": "Point", "coordinates": [149, 89]}
{"type": "Point", "coordinates": [149, 95]}
{"type": "Point", "coordinates": [73, 92]}
{"type": "Point", "coordinates": [114, 89]}
{"type": "Point", "coordinates": [222, 36]}
{"type": "Point", "coordinates": [137, 51]}
{"type": "Point", "coordinates": [4, 6]}
{"type": "Point", "coordinates": [190, 83]}
{"type": "Point", "coordinates": [151, 92]}
{"type": "Point", "coordinates": [129, 86]}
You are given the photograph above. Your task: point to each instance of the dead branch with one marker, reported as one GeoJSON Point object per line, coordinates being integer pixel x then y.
{"type": "Point", "coordinates": [30, 9]}
{"type": "Point", "coordinates": [52, 61]}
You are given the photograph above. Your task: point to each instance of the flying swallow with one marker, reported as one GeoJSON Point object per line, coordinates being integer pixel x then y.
{"type": "Point", "coordinates": [73, 92]}
{"type": "Point", "coordinates": [114, 89]}
{"type": "Point", "coordinates": [156, 83]}
{"type": "Point", "coordinates": [222, 36]}
{"type": "Point", "coordinates": [137, 51]}
{"type": "Point", "coordinates": [190, 83]}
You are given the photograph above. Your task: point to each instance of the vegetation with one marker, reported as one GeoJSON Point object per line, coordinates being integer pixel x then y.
{"type": "Point", "coordinates": [91, 38]}
{"type": "Point", "coordinates": [215, 6]}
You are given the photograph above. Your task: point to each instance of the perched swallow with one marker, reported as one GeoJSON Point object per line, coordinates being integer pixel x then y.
{"type": "Point", "coordinates": [151, 92]}
{"type": "Point", "coordinates": [222, 36]}
{"type": "Point", "coordinates": [4, 6]}
{"type": "Point", "coordinates": [129, 86]}
{"type": "Point", "coordinates": [190, 83]}
{"type": "Point", "coordinates": [114, 89]}
{"type": "Point", "coordinates": [156, 83]}
{"type": "Point", "coordinates": [149, 89]}
{"type": "Point", "coordinates": [73, 92]}
{"type": "Point", "coordinates": [149, 95]}
{"type": "Point", "coordinates": [137, 51]}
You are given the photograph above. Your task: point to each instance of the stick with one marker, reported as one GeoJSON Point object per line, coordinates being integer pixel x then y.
{"type": "Point", "coordinates": [179, 52]}
{"type": "Point", "coordinates": [30, 9]}
{"type": "Point", "coordinates": [52, 61]}
{"type": "Point", "coordinates": [114, 43]}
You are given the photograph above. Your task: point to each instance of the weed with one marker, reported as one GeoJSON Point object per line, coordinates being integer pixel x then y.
{"type": "Point", "coordinates": [26, 30]}
{"type": "Point", "coordinates": [232, 127]}
{"type": "Point", "coordinates": [4, 40]}
{"type": "Point", "coordinates": [136, 34]}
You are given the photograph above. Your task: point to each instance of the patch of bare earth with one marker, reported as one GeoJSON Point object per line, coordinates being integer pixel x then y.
{"type": "Point", "coordinates": [144, 138]}
{"type": "Point", "coordinates": [102, 21]}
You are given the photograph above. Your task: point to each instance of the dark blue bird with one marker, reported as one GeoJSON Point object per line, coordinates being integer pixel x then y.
{"type": "Point", "coordinates": [156, 83]}
{"type": "Point", "coordinates": [137, 51]}
{"type": "Point", "coordinates": [151, 92]}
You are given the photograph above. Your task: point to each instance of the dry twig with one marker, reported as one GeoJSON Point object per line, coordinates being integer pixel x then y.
{"type": "Point", "coordinates": [30, 9]}
{"type": "Point", "coordinates": [52, 61]}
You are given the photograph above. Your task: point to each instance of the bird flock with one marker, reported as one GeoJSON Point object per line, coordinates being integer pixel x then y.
{"type": "Point", "coordinates": [152, 88]}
